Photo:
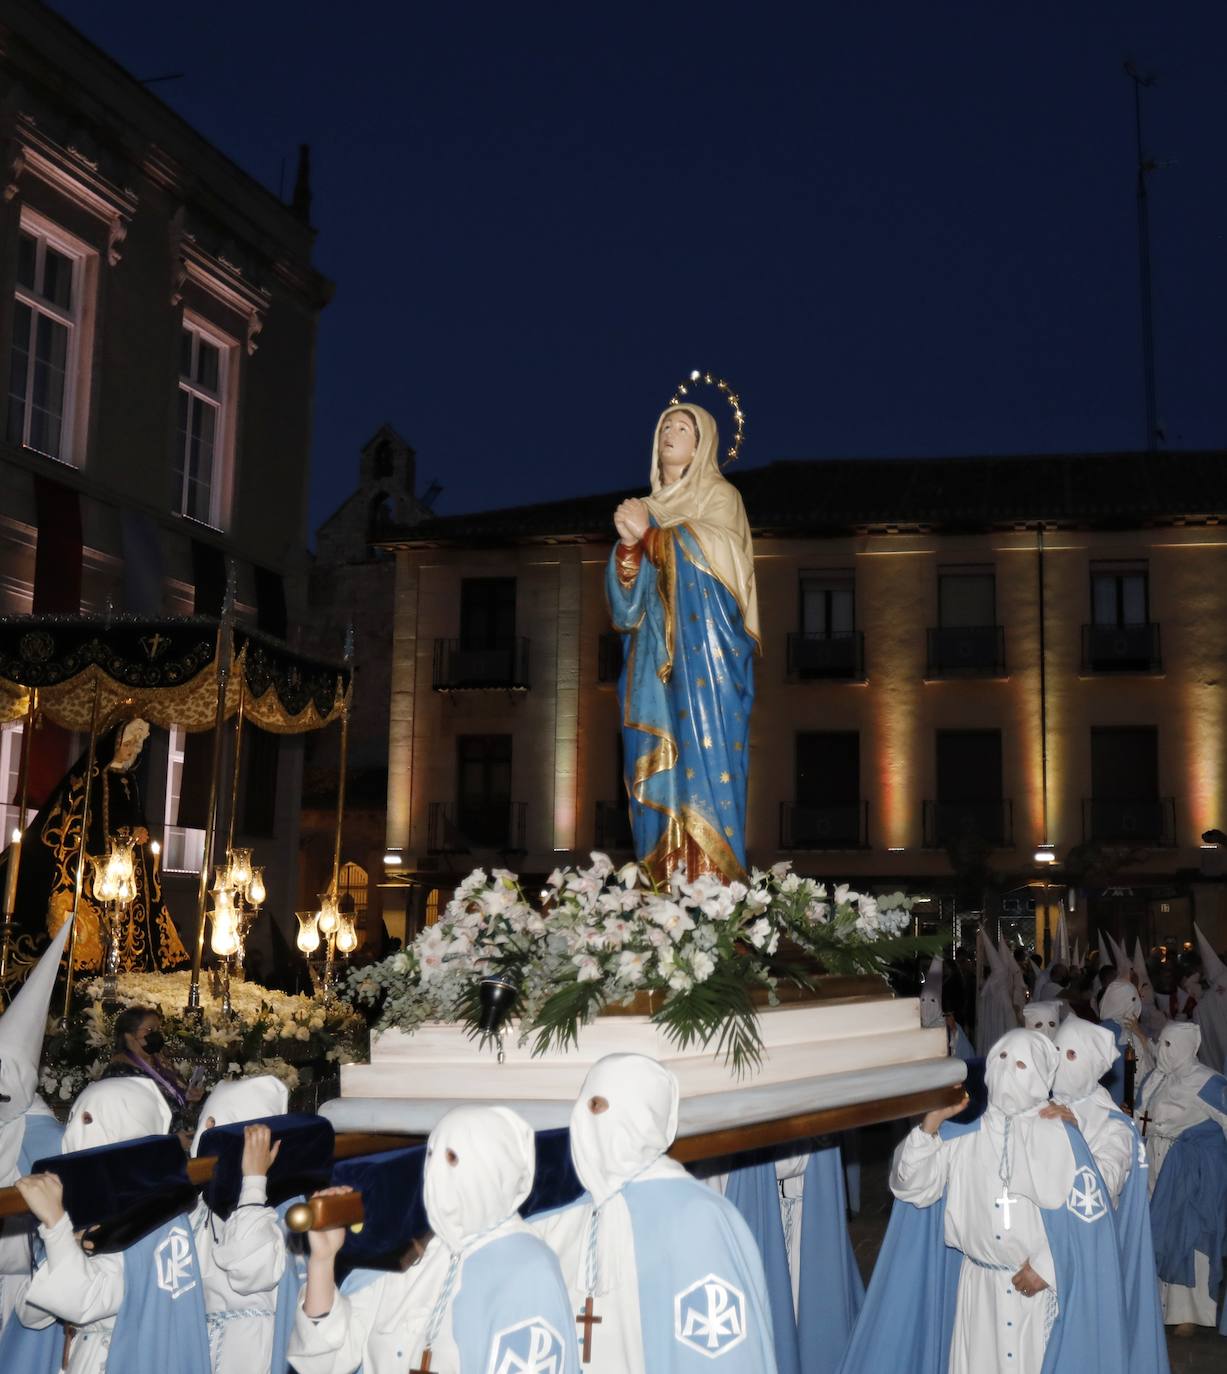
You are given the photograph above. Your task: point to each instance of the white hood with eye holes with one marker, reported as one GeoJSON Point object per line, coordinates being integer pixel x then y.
{"type": "Point", "coordinates": [1044, 1017]}
{"type": "Point", "coordinates": [114, 1110]}
{"type": "Point", "coordinates": [480, 1163]}
{"type": "Point", "coordinates": [1171, 1095]}
{"type": "Point", "coordinates": [241, 1099]}
{"type": "Point", "coordinates": [1019, 1073]}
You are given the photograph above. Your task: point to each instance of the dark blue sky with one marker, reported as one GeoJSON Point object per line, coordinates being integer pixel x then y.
{"type": "Point", "coordinates": [897, 228]}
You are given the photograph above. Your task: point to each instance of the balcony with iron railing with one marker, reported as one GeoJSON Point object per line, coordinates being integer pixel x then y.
{"type": "Point", "coordinates": [458, 667]}
{"type": "Point", "coordinates": [1121, 649]}
{"type": "Point", "coordinates": [966, 651]}
{"type": "Point", "coordinates": [1149, 821]}
{"type": "Point", "coordinates": [954, 822]}
{"type": "Point", "coordinates": [469, 827]}
{"type": "Point", "coordinates": [830, 825]}
{"type": "Point", "coordinates": [613, 826]}
{"type": "Point", "coordinates": [609, 657]}
{"type": "Point", "coordinates": [832, 658]}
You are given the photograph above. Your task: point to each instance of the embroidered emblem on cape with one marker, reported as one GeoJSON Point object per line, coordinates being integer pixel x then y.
{"type": "Point", "coordinates": [528, 1347]}
{"type": "Point", "coordinates": [710, 1316]}
{"type": "Point", "coordinates": [173, 1259]}
{"type": "Point", "coordinates": [1086, 1199]}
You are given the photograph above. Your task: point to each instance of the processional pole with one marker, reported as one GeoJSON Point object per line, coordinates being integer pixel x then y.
{"type": "Point", "coordinates": [18, 840]}
{"type": "Point", "coordinates": [224, 659]}
{"type": "Point", "coordinates": [90, 759]}
{"type": "Point", "coordinates": [334, 885]}
{"type": "Point", "coordinates": [238, 754]}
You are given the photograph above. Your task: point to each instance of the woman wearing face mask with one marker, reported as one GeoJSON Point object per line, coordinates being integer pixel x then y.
{"type": "Point", "coordinates": [1001, 1253]}
{"type": "Point", "coordinates": [1183, 1111]}
{"type": "Point", "coordinates": [138, 1053]}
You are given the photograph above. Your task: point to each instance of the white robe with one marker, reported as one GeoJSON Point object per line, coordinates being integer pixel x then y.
{"type": "Point", "coordinates": [83, 1290]}
{"type": "Point", "coordinates": [382, 1327]}
{"type": "Point", "coordinates": [1172, 1104]}
{"type": "Point", "coordinates": [241, 1263]}
{"type": "Point", "coordinates": [996, 1328]}
{"type": "Point", "coordinates": [1211, 1016]}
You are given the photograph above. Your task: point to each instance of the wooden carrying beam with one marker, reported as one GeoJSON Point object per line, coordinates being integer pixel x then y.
{"type": "Point", "coordinates": [345, 1210]}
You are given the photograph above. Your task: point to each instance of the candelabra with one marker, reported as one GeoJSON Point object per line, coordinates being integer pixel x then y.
{"type": "Point", "coordinates": [238, 888]}
{"type": "Point", "coordinates": [114, 887]}
{"type": "Point", "coordinates": [336, 931]}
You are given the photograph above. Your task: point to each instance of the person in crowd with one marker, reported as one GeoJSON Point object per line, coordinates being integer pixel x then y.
{"type": "Point", "coordinates": [1183, 1112]}
{"type": "Point", "coordinates": [140, 1309]}
{"type": "Point", "coordinates": [1044, 1017]}
{"type": "Point", "coordinates": [662, 1271]}
{"type": "Point", "coordinates": [243, 1258]}
{"type": "Point", "coordinates": [28, 1129]}
{"type": "Point", "coordinates": [138, 1054]}
{"type": "Point", "coordinates": [1001, 1253]}
{"type": "Point", "coordinates": [1086, 1053]}
{"type": "Point", "coordinates": [486, 1297]}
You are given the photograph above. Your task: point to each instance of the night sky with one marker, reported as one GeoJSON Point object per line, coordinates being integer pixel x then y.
{"type": "Point", "coordinates": [898, 229]}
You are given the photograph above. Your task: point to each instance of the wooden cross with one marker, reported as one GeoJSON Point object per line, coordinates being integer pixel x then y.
{"type": "Point", "coordinates": [425, 1366]}
{"type": "Point", "coordinates": [587, 1321]}
{"type": "Point", "coordinates": [1145, 1120]}
{"type": "Point", "coordinates": [1005, 1202]}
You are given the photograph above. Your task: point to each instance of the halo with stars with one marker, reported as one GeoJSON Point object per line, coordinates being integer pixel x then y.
{"type": "Point", "coordinates": [697, 379]}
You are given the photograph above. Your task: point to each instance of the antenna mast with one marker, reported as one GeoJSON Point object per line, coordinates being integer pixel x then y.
{"type": "Point", "coordinates": [1145, 167]}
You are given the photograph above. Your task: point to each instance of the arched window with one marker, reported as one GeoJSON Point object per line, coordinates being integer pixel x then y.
{"type": "Point", "coordinates": [352, 885]}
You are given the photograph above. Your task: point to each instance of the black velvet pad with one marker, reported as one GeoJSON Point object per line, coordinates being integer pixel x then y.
{"type": "Point", "coordinates": [975, 1088]}
{"type": "Point", "coordinates": [126, 1190]}
{"type": "Point", "coordinates": [303, 1163]}
{"type": "Point", "coordinates": [391, 1188]}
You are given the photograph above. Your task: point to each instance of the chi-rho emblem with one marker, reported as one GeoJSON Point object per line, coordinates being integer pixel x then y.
{"type": "Point", "coordinates": [710, 1316]}
{"type": "Point", "coordinates": [1086, 1200]}
{"type": "Point", "coordinates": [174, 1261]}
{"type": "Point", "coordinates": [528, 1347]}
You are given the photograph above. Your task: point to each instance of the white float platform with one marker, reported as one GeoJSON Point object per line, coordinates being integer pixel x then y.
{"type": "Point", "coordinates": [745, 1104]}
{"type": "Point", "coordinates": [815, 1056]}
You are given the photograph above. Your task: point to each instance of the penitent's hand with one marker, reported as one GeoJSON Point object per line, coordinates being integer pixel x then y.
{"type": "Point", "coordinates": [933, 1120]}
{"type": "Point", "coordinates": [1028, 1282]}
{"type": "Point", "coordinates": [43, 1194]}
{"type": "Point", "coordinates": [321, 1289]}
{"type": "Point", "coordinates": [259, 1151]}
{"type": "Point", "coordinates": [1058, 1111]}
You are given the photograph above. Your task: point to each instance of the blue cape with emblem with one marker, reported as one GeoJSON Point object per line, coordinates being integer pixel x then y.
{"type": "Point", "coordinates": [1145, 1342]}
{"type": "Point", "coordinates": [910, 1303]}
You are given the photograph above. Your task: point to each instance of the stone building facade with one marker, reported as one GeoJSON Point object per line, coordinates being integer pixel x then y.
{"type": "Point", "coordinates": [1000, 683]}
{"type": "Point", "coordinates": [158, 334]}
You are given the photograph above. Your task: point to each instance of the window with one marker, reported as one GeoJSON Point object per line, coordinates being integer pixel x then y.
{"type": "Point", "coordinates": [44, 361]}
{"type": "Point", "coordinates": [183, 847]}
{"type": "Point", "coordinates": [1125, 806]}
{"type": "Point", "coordinates": [200, 448]}
{"type": "Point", "coordinates": [969, 804]}
{"type": "Point", "coordinates": [828, 605]}
{"type": "Point", "coordinates": [966, 597]}
{"type": "Point", "coordinates": [10, 770]}
{"type": "Point", "coordinates": [352, 889]}
{"type": "Point", "coordinates": [434, 899]}
{"type": "Point", "coordinates": [483, 800]}
{"type": "Point", "coordinates": [828, 812]}
{"type": "Point", "coordinates": [487, 612]}
{"type": "Point", "coordinates": [1119, 595]}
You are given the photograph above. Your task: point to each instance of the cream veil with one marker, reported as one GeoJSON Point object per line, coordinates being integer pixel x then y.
{"type": "Point", "coordinates": [712, 508]}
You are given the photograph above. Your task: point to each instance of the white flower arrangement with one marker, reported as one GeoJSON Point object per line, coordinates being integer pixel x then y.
{"type": "Point", "coordinates": [602, 937]}
{"type": "Point", "coordinates": [263, 1029]}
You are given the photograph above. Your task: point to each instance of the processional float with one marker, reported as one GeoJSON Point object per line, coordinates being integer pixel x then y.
{"type": "Point", "coordinates": [88, 672]}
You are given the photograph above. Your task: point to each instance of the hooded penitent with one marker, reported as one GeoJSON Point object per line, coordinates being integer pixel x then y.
{"type": "Point", "coordinates": [479, 1169]}
{"type": "Point", "coordinates": [241, 1099]}
{"type": "Point", "coordinates": [1211, 1012]}
{"type": "Point", "coordinates": [1044, 1017]}
{"type": "Point", "coordinates": [22, 1028]}
{"type": "Point", "coordinates": [995, 1012]}
{"type": "Point", "coordinates": [114, 1110]}
{"type": "Point", "coordinates": [931, 996]}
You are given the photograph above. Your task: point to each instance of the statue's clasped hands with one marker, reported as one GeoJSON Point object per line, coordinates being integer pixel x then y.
{"type": "Point", "coordinates": [631, 521]}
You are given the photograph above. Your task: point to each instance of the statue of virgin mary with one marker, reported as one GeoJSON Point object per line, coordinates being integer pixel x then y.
{"type": "Point", "coordinates": [681, 592]}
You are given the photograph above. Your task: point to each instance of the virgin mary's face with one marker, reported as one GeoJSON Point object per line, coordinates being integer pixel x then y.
{"type": "Point", "coordinates": [679, 441]}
